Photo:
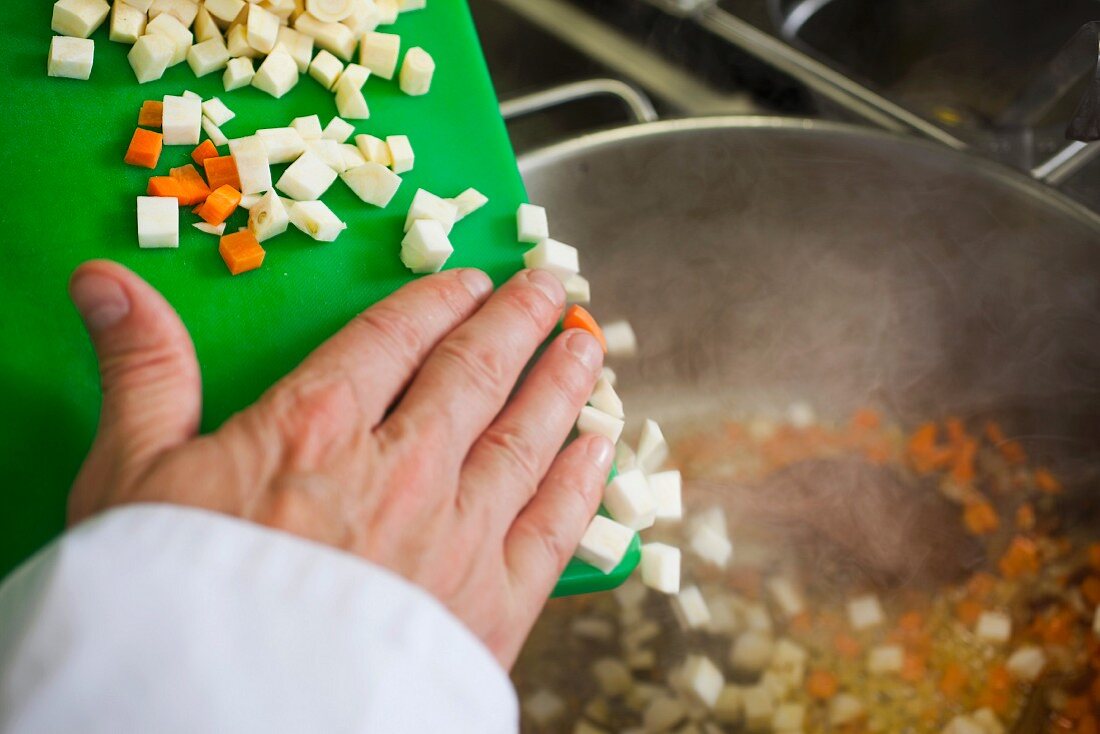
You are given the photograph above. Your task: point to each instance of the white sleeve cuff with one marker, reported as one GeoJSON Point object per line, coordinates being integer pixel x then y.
{"type": "Point", "coordinates": [171, 619]}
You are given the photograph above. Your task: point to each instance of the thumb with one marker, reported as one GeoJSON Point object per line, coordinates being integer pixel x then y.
{"type": "Point", "coordinates": [152, 395]}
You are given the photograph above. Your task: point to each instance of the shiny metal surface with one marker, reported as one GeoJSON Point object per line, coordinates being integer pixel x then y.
{"type": "Point", "coordinates": [637, 104]}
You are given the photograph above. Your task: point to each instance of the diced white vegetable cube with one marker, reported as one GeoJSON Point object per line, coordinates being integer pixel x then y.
{"type": "Point", "coordinates": [307, 179]}
{"type": "Point", "coordinates": [402, 157]}
{"type": "Point", "coordinates": [338, 130]}
{"type": "Point", "coordinates": [206, 27]}
{"type": "Point", "coordinates": [727, 709]}
{"type": "Point", "coordinates": [263, 29]}
{"type": "Point", "coordinates": [612, 676]}
{"type": "Point", "coordinates": [667, 490]}
{"type": "Point", "coordinates": [316, 220]}
{"type": "Point", "coordinates": [963, 725]}
{"type": "Point", "coordinates": [379, 51]}
{"type": "Point", "coordinates": [182, 120]}
{"type": "Point", "coordinates": [885, 659]}
{"type": "Point", "coordinates": [71, 58]}
{"type": "Point", "coordinates": [543, 707]}
{"type": "Point", "coordinates": [596, 421]}
{"type": "Point", "coordinates": [283, 145]}
{"type": "Point", "coordinates": [182, 10]}
{"type": "Point", "coordinates": [253, 167]}
{"type": "Point", "coordinates": [416, 72]}
{"type": "Point", "coordinates": [326, 69]}
{"type": "Point", "coordinates": [308, 127]}
{"type": "Point", "coordinates": [624, 457]}
{"type": "Point", "coordinates": [329, 11]}
{"type": "Point", "coordinates": [373, 183]}
{"type": "Point", "coordinates": [191, 95]}
{"type": "Point", "coordinates": [845, 708]}
{"type": "Point", "coordinates": [238, 73]}
{"type": "Point", "coordinates": [661, 567]}
{"type": "Point", "coordinates": [216, 110]}
{"type": "Point", "coordinates": [354, 76]}
{"type": "Point", "coordinates": [609, 374]}
{"type": "Point", "coordinates": [250, 200]}
{"type": "Point", "coordinates": [268, 217]}
{"type": "Point", "coordinates": [577, 290]}
{"type": "Point", "coordinates": [662, 712]}
{"type": "Point", "coordinates": [714, 518]}
{"type": "Point", "coordinates": [605, 398]}
{"type": "Point", "coordinates": [425, 249]}
{"type": "Point", "coordinates": [995, 627]}
{"type": "Point", "coordinates": [218, 230]}
{"type": "Point", "coordinates": [207, 57]}
{"type": "Point", "coordinates": [426, 205]}
{"type": "Point", "coordinates": [789, 660]}
{"type": "Point", "coordinates": [225, 10]}
{"type": "Point", "coordinates": [468, 202]}
{"type": "Point", "coordinates": [352, 157]}
{"type": "Point", "coordinates": [333, 37]}
{"type": "Point", "coordinates": [350, 102]}
{"type": "Point", "coordinates": [388, 10]}
{"type": "Point", "coordinates": [621, 341]}
{"type": "Point", "coordinates": [557, 258]}
{"type": "Point", "coordinates": [629, 501]}
{"type": "Point", "coordinates": [752, 651]}
{"type": "Point", "coordinates": [702, 679]}
{"type": "Point", "coordinates": [150, 56]}
{"type": "Point", "coordinates": [710, 545]}
{"type": "Point", "coordinates": [592, 628]}
{"type": "Point", "coordinates": [786, 596]}
{"type": "Point", "coordinates": [298, 45]}
{"type": "Point", "coordinates": [1027, 663]}
{"type": "Point", "coordinates": [237, 41]}
{"type": "Point", "coordinates": [329, 151]}
{"type": "Point", "coordinates": [168, 25]}
{"type": "Point", "coordinates": [78, 18]}
{"type": "Point", "coordinates": [364, 17]}
{"type": "Point", "coordinates": [865, 612]}
{"type": "Point", "coordinates": [373, 149]}
{"type": "Point", "coordinates": [788, 718]}
{"type": "Point", "coordinates": [277, 75]}
{"type": "Point", "coordinates": [690, 608]}
{"type": "Point", "coordinates": [158, 220]}
{"type": "Point", "coordinates": [756, 618]}
{"type": "Point", "coordinates": [758, 707]}
{"type": "Point", "coordinates": [217, 137]}
{"type": "Point", "coordinates": [652, 448]}
{"type": "Point", "coordinates": [531, 224]}
{"type": "Point", "coordinates": [988, 720]}
{"type": "Point", "coordinates": [405, 6]}
{"type": "Point", "coordinates": [605, 542]}
{"type": "Point", "coordinates": [127, 23]}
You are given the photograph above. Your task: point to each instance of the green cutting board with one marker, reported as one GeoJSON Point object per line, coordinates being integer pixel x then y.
{"type": "Point", "coordinates": [67, 197]}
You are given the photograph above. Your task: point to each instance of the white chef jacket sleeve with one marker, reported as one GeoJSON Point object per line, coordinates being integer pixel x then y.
{"type": "Point", "coordinates": [163, 619]}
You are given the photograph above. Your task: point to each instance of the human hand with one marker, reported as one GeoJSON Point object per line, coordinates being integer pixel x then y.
{"type": "Point", "coordinates": [398, 440]}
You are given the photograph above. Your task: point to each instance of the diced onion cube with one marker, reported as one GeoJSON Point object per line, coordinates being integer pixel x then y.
{"type": "Point", "coordinates": [373, 183]}
{"type": "Point", "coordinates": [865, 612]}
{"type": "Point", "coordinates": [150, 56]}
{"type": "Point", "coordinates": [182, 120]}
{"type": "Point", "coordinates": [531, 224]}
{"type": "Point", "coordinates": [316, 220]}
{"type": "Point", "coordinates": [378, 52]}
{"type": "Point", "coordinates": [629, 501]}
{"type": "Point", "coordinates": [71, 58]}
{"type": "Point", "coordinates": [158, 220]}
{"type": "Point", "coordinates": [425, 248]}
{"type": "Point", "coordinates": [604, 543]}
{"type": "Point", "coordinates": [596, 421]}
{"type": "Point", "coordinates": [268, 217]}
{"type": "Point", "coordinates": [661, 567]}
{"type": "Point", "coordinates": [416, 72]}
{"type": "Point", "coordinates": [995, 627]}
{"type": "Point", "coordinates": [557, 258]}
{"type": "Point", "coordinates": [127, 23]}
{"type": "Point", "coordinates": [307, 179]}
{"type": "Point", "coordinates": [690, 608]}
{"type": "Point", "coordinates": [621, 341]}
{"type": "Point", "coordinates": [308, 127]}
{"type": "Point", "coordinates": [78, 18]}
{"type": "Point", "coordinates": [667, 489]}
{"type": "Point", "coordinates": [401, 153]}
{"type": "Point", "coordinates": [238, 73]}
{"type": "Point", "coordinates": [277, 75]}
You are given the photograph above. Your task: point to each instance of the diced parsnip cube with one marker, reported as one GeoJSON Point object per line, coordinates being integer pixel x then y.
{"type": "Point", "coordinates": [237, 41]}
{"type": "Point", "coordinates": [1027, 663]}
{"type": "Point", "coordinates": [605, 542]}
{"type": "Point", "coordinates": [169, 26]}
{"type": "Point", "coordinates": [218, 230]}
{"type": "Point", "coordinates": [661, 567]}
{"type": "Point", "coordinates": [788, 718]}
{"type": "Point", "coordinates": [207, 57]}
{"type": "Point", "coordinates": [307, 179]}
{"type": "Point", "coordinates": [206, 27]}
{"type": "Point", "coordinates": [752, 651]}
{"type": "Point", "coordinates": [612, 676]}
{"type": "Point", "coordinates": [543, 707]}
{"type": "Point", "coordinates": [757, 707]}
{"type": "Point", "coordinates": [662, 712]}
{"type": "Point", "coordinates": [690, 608]}
{"type": "Point", "coordinates": [468, 202]}
{"type": "Point", "coordinates": [416, 74]}
{"type": "Point", "coordinates": [268, 217]}
{"type": "Point", "coordinates": [308, 127]}
{"type": "Point", "coordinates": [557, 258]}
{"type": "Point", "coordinates": [621, 341]}
{"type": "Point", "coordinates": [355, 76]}
{"type": "Point", "coordinates": [374, 150]}
{"type": "Point", "coordinates": [710, 545]}
{"type": "Point", "coordinates": [609, 374]}
{"type": "Point", "coordinates": [531, 224]}
{"type": "Point", "coordinates": [184, 11]}
{"type": "Point", "coordinates": [577, 290]}
{"type": "Point", "coordinates": [629, 501]}
{"type": "Point", "coordinates": [253, 167]}
{"type": "Point", "coordinates": [79, 18]}
{"type": "Point", "coordinates": [335, 38]}
{"type": "Point", "coordinates": [150, 56]}
{"type": "Point", "coordinates": [605, 398]}
{"type": "Point", "coordinates": [786, 596]}
{"type": "Point", "coordinates": [338, 130]}
{"type": "Point", "coordinates": [352, 157]}
{"type": "Point", "coordinates": [425, 249]}
{"type": "Point", "coordinates": [426, 205]}
{"type": "Point", "coordinates": [127, 23]}
{"type": "Point", "coordinates": [988, 720]}
{"type": "Point", "coordinates": [250, 200]}
{"type": "Point", "coordinates": [225, 10]}
{"type": "Point", "coordinates": [316, 220]}
{"type": "Point", "coordinates": [379, 51]}
{"type": "Point", "coordinates": [405, 6]}
{"type": "Point", "coordinates": [238, 73]}
{"type": "Point", "coordinates": [714, 518]}
{"type": "Point", "coordinates": [217, 137]}
{"type": "Point", "coordinates": [402, 157]}
{"type": "Point", "coordinates": [364, 17]}
{"type": "Point", "coordinates": [298, 45]}
{"type": "Point", "coordinates": [142, 5]}
{"type": "Point", "coordinates": [596, 421]}
{"type": "Point", "coordinates": [282, 8]}
{"type": "Point", "coordinates": [727, 709]}
{"type": "Point", "coordinates": [387, 11]}
{"type": "Point", "coordinates": [216, 110]}
{"type": "Point", "coordinates": [158, 220]}
{"type": "Point", "coordinates": [329, 151]}
{"type": "Point", "coordinates": [652, 447]}
{"type": "Point", "coordinates": [350, 102]}
{"type": "Point", "coordinates": [885, 659]}
{"type": "Point", "coordinates": [667, 488]}
{"type": "Point", "coordinates": [865, 612]}
{"type": "Point", "coordinates": [844, 709]}
{"type": "Point", "coordinates": [263, 29]}
{"type": "Point", "coordinates": [326, 69]}
{"type": "Point", "coordinates": [191, 95]}
{"type": "Point", "coordinates": [373, 183]}
{"type": "Point", "coordinates": [71, 58]}
{"type": "Point", "coordinates": [995, 627]}
{"type": "Point", "coordinates": [329, 11]}
{"type": "Point", "coordinates": [624, 457]}
{"type": "Point", "coordinates": [702, 680]}
{"type": "Point", "coordinates": [277, 75]}
{"type": "Point", "coordinates": [283, 145]}
{"type": "Point", "coordinates": [182, 120]}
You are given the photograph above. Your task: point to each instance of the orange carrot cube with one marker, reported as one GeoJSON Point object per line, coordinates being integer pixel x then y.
{"type": "Point", "coordinates": [241, 252]}
{"type": "Point", "coordinates": [222, 171]}
{"type": "Point", "coordinates": [204, 151]}
{"type": "Point", "coordinates": [152, 114]}
{"type": "Point", "coordinates": [220, 205]}
{"type": "Point", "coordinates": [145, 148]}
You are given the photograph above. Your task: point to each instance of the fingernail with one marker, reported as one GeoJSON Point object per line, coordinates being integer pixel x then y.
{"type": "Point", "coordinates": [585, 348]}
{"type": "Point", "coordinates": [101, 301]}
{"type": "Point", "coordinates": [600, 450]}
{"type": "Point", "coordinates": [548, 284]}
{"type": "Point", "coordinates": [476, 282]}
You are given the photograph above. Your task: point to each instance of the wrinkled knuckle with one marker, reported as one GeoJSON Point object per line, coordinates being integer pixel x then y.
{"type": "Point", "coordinates": [453, 296]}
{"type": "Point", "coordinates": [397, 332]}
{"type": "Point", "coordinates": [482, 365]}
{"type": "Point", "coordinates": [137, 368]}
{"type": "Point", "coordinates": [574, 382]}
{"type": "Point", "coordinates": [316, 413]}
{"type": "Point", "coordinates": [553, 542]}
{"type": "Point", "coordinates": [535, 306]}
{"type": "Point", "coordinates": [516, 451]}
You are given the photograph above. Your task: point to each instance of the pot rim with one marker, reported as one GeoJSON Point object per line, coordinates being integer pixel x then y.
{"type": "Point", "coordinates": [993, 170]}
